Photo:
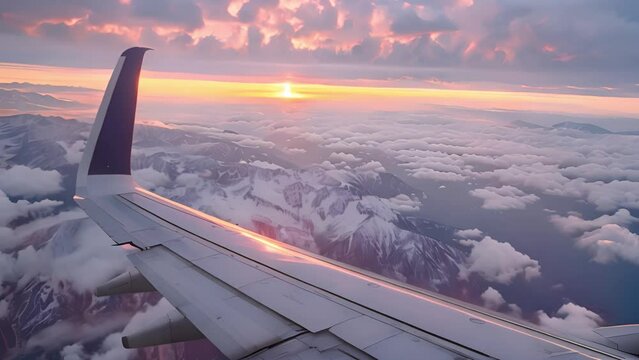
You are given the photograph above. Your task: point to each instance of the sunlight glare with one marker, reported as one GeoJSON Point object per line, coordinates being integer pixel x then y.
{"type": "Point", "coordinates": [287, 93]}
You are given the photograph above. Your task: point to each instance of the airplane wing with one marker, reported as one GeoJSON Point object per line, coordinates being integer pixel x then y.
{"type": "Point", "coordinates": [257, 298]}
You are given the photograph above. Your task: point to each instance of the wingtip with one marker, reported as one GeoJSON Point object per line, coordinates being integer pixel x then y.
{"type": "Point", "coordinates": [136, 50]}
{"type": "Point", "coordinates": [109, 151]}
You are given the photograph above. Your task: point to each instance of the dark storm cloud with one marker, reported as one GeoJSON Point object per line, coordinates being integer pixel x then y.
{"type": "Point", "coordinates": [408, 22]}
{"type": "Point", "coordinates": [181, 13]}
{"type": "Point", "coordinates": [315, 19]}
{"type": "Point", "coordinates": [250, 9]}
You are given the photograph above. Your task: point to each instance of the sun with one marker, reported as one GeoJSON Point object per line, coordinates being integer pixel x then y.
{"type": "Point", "coordinates": [286, 91]}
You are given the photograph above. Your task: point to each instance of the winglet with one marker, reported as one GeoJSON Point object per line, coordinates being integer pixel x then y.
{"type": "Point", "coordinates": [108, 149]}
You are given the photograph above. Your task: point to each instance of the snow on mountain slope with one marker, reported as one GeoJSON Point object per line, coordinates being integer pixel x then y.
{"type": "Point", "coordinates": [343, 215]}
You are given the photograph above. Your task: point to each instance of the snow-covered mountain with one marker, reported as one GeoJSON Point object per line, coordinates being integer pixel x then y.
{"type": "Point", "coordinates": [589, 128]}
{"type": "Point", "coordinates": [349, 216]}
{"type": "Point", "coordinates": [33, 101]}
{"type": "Point", "coordinates": [336, 213]}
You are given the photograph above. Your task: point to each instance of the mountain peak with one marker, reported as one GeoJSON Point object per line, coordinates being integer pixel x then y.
{"type": "Point", "coordinates": [589, 128]}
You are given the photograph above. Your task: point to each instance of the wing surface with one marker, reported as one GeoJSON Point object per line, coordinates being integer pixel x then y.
{"type": "Point", "coordinates": [254, 297]}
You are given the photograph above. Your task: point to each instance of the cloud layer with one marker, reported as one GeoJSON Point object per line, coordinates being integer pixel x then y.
{"type": "Point", "coordinates": [28, 182]}
{"type": "Point", "coordinates": [571, 319]}
{"type": "Point", "coordinates": [544, 36]}
{"type": "Point", "coordinates": [503, 198]}
{"type": "Point", "coordinates": [498, 262]}
{"type": "Point", "coordinates": [607, 237]}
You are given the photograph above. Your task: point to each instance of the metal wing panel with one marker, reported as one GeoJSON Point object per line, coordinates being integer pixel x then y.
{"type": "Point", "coordinates": [411, 347]}
{"type": "Point", "coordinates": [189, 249]}
{"type": "Point", "coordinates": [364, 331]}
{"type": "Point", "coordinates": [108, 223]}
{"type": "Point", "coordinates": [310, 310]}
{"type": "Point", "coordinates": [231, 271]}
{"type": "Point", "coordinates": [234, 323]}
{"type": "Point", "coordinates": [224, 306]}
{"type": "Point", "coordinates": [124, 224]}
{"type": "Point", "coordinates": [444, 322]}
{"type": "Point", "coordinates": [313, 347]}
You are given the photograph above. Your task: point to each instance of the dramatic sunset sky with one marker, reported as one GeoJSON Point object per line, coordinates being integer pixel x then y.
{"type": "Point", "coordinates": [573, 57]}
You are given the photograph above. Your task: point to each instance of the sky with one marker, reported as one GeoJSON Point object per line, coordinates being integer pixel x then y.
{"type": "Point", "coordinates": [569, 57]}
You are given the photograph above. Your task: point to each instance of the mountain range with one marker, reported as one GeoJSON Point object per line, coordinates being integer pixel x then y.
{"type": "Point", "coordinates": [349, 216]}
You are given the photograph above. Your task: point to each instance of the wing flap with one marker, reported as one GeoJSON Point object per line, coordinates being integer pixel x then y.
{"type": "Point", "coordinates": [124, 224]}
{"type": "Point", "coordinates": [311, 310]}
{"type": "Point", "coordinates": [364, 331]}
{"type": "Point", "coordinates": [231, 271]}
{"type": "Point", "coordinates": [236, 325]}
{"type": "Point", "coordinates": [313, 347]}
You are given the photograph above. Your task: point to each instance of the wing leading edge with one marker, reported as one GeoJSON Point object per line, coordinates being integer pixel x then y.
{"type": "Point", "coordinates": [254, 297]}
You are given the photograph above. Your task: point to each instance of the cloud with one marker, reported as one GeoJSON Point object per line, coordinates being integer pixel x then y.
{"type": "Point", "coordinates": [148, 316]}
{"type": "Point", "coordinates": [112, 349]}
{"type": "Point", "coordinates": [472, 42]}
{"type": "Point", "coordinates": [611, 242]}
{"type": "Point", "coordinates": [186, 14]}
{"type": "Point", "coordinates": [311, 137]}
{"type": "Point", "coordinates": [295, 150]}
{"type": "Point", "coordinates": [256, 143]}
{"type": "Point", "coordinates": [188, 180]}
{"type": "Point", "coordinates": [469, 233]}
{"type": "Point", "coordinates": [327, 165]}
{"type": "Point", "coordinates": [612, 195]}
{"type": "Point", "coordinates": [73, 352]}
{"type": "Point", "coordinates": [600, 172]}
{"type": "Point", "coordinates": [404, 203]}
{"type": "Point", "coordinates": [429, 174]}
{"type": "Point", "coordinates": [84, 261]}
{"type": "Point", "coordinates": [343, 157]}
{"type": "Point", "coordinates": [574, 224]}
{"type": "Point", "coordinates": [150, 178]}
{"type": "Point", "coordinates": [15, 236]}
{"type": "Point", "coordinates": [408, 22]}
{"type": "Point", "coordinates": [68, 331]}
{"type": "Point", "coordinates": [607, 237]}
{"type": "Point", "coordinates": [371, 166]}
{"type": "Point", "coordinates": [92, 262]}
{"type": "Point", "coordinates": [492, 298]}
{"type": "Point", "coordinates": [73, 151]}
{"type": "Point", "coordinates": [265, 165]}
{"type": "Point", "coordinates": [503, 198]}
{"type": "Point", "coordinates": [497, 262]}
{"type": "Point", "coordinates": [23, 101]}
{"type": "Point", "coordinates": [10, 211]}
{"type": "Point", "coordinates": [21, 180]}
{"type": "Point", "coordinates": [571, 319]}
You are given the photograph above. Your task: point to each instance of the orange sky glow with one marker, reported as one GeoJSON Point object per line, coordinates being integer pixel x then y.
{"type": "Point", "coordinates": [184, 88]}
